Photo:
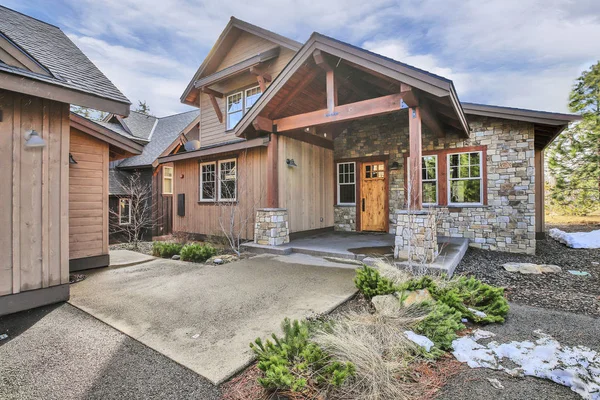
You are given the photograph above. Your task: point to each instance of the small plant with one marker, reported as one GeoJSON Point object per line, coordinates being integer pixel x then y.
{"type": "Point", "coordinates": [166, 249]}
{"type": "Point", "coordinates": [196, 252]}
{"type": "Point", "coordinates": [440, 326]}
{"type": "Point", "coordinates": [370, 282]}
{"type": "Point", "coordinates": [294, 363]}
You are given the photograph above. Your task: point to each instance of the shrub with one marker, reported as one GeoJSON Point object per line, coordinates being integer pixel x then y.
{"type": "Point", "coordinates": [196, 252]}
{"type": "Point", "coordinates": [370, 282]}
{"type": "Point", "coordinates": [294, 363]}
{"type": "Point", "coordinates": [165, 249]}
{"type": "Point", "coordinates": [440, 326]}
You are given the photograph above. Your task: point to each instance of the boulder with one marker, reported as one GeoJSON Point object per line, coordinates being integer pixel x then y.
{"type": "Point", "coordinates": [417, 296]}
{"type": "Point", "coordinates": [176, 257]}
{"type": "Point", "coordinates": [530, 268]}
{"type": "Point", "coordinates": [386, 304]}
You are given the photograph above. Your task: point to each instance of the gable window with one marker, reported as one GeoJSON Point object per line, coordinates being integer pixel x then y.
{"type": "Point", "coordinates": [124, 211]}
{"type": "Point", "coordinates": [227, 179]}
{"type": "Point", "coordinates": [167, 180]}
{"type": "Point", "coordinates": [346, 183]}
{"type": "Point", "coordinates": [208, 181]}
{"type": "Point", "coordinates": [239, 103]}
{"type": "Point", "coordinates": [465, 178]}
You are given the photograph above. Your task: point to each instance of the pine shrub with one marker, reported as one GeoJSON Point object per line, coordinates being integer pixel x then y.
{"type": "Point", "coordinates": [165, 249]}
{"type": "Point", "coordinates": [440, 326]}
{"type": "Point", "coordinates": [370, 282]}
{"type": "Point", "coordinates": [197, 252]}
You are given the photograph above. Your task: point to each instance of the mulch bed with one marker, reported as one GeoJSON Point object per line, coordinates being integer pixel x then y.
{"type": "Point", "coordinates": [563, 291]}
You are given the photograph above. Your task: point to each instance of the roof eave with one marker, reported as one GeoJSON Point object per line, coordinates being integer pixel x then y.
{"type": "Point", "coordinates": [106, 135]}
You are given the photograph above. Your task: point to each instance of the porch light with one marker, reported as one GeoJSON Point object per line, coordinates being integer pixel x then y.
{"type": "Point", "coordinates": [71, 159]}
{"type": "Point", "coordinates": [290, 163]}
{"type": "Point", "coordinates": [33, 139]}
{"type": "Point", "coordinates": [395, 166]}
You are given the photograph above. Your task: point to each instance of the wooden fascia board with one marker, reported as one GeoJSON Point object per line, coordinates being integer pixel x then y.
{"type": "Point", "coordinates": [520, 115]}
{"type": "Point", "coordinates": [106, 135]}
{"type": "Point", "coordinates": [241, 145]}
{"type": "Point", "coordinates": [39, 88]}
{"type": "Point", "coordinates": [242, 66]}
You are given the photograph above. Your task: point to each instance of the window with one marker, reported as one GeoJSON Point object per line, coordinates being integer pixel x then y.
{"type": "Point", "coordinates": [124, 211]}
{"type": "Point", "coordinates": [346, 179]}
{"type": "Point", "coordinates": [227, 180]}
{"type": "Point", "coordinates": [239, 103]}
{"type": "Point", "coordinates": [167, 180]}
{"type": "Point", "coordinates": [465, 178]}
{"type": "Point", "coordinates": [208, 181]}
{"type": "Point", "coordinates": [429, 178]}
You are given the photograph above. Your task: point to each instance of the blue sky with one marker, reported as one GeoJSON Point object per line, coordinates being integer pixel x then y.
{"type": "Point", "coordinates": [519, 53]}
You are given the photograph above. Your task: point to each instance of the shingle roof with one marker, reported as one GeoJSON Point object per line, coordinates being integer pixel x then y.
{"type": "Point", "coordinates": [140, 125]}
{"type": "Point", "coordinates": [117, 128]}
{"type": "Point", "coordinates": [165, 132]}
{"type": "Point", "coordinates": [116, 180]}
{"type": "Point", "coordinates": [55, 52]}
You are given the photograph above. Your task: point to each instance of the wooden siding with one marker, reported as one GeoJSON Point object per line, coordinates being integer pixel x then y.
{"type": "Point", "coordinates": [34, 217]}
{"type": "Point", "coordinates": [211, 130]}
{"type": "Point", "coordinates": [203, 218]}
{"type": "Point", "coordinates": [88, 196]}
{"type": "Point", "coordinates": [307, 190]}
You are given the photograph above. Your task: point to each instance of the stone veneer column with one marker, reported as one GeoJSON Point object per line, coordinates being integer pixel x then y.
{"type": "Point", "coordinates": [416, 233]}
{"type": "Point", "coordinates": [271, 227]}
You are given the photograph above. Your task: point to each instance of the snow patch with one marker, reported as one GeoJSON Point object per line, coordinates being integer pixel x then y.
{"type": "Point", "coordinates": [576, 367]}
{"type": "Point", "coordinates": [421, 340]}
{"type": "Point", "coordinates": [477, 313]}
{"type": "Point", "coordinates": [577, 240]}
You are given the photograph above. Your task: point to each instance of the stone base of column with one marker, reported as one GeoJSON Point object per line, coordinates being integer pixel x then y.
{"type": "Point", "coordinates": [416, 236]}
{"type": "Point", "coordinates": [271, 227]}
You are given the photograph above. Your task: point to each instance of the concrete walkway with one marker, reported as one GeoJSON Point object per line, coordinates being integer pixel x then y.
{"type": "Point", "coordinates": [126, 258]}
{"type": "Point", "coordinates": [203, 316]}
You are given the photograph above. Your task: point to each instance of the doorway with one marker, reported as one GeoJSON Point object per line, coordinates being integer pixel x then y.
{"type": "Point", "coordinates": [373, 196]}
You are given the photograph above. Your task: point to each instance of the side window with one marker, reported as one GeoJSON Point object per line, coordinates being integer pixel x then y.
{"type": "Point", "coordinates": [227, 180]}
{"type": "Point", "coordinates": [346, 183]}
{"type": "Point", "coordinates": [124, 211]}
{"type": "Point", "coordinates": [465, 178]}
{"type": "Point", "coordinates": [208, 181]}
{"type": "Point", "coordinates": [167, 180]}
{"type": "Point", "coordinates": [235, 109]}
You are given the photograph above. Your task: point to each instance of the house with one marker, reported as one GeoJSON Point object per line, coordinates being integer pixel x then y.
{"type": "Point", "coordinates": [329, 136]}
{"type": "Point", "coordinates": [55, 165]}
{"type": "Point", "coordinates": [161, 136]}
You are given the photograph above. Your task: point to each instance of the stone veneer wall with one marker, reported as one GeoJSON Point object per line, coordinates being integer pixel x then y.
{"type": "Point", "coordinates": [271, 226]}
{"type": "Point", "coordinates": [506, 223]}
{"type": "Point", "coordinates": [416, 236]}
{"type": "Point", "coordinates": [345, 218]}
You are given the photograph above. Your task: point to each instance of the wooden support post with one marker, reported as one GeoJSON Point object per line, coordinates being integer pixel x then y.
{"type": "Point", "coordinates": [415, 181]}
{"type": "Point", "coordinates": [261, 77]}
{"type": "Point", "coordinates": [262, 124]}
{"type": "Point", "coordinates": [332, 101]}
{"type": "Point", "coordinates": [540, 215]}
{"type": "Point", "coordinates": [272, 174]}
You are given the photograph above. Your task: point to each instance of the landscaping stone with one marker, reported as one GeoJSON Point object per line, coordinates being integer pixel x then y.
{"type": "Point", "coordinates": [388, 303]}
{"type": "Point", "coordinates": [530, 268]}
{"type": "Point", "coordinates": [222, 259]}
{"type": "Point", "coordinates": [417, 296]}
{"type": "Point", "coordinates": [176, 257]}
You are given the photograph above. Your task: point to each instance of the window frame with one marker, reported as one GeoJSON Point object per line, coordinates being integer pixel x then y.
{"type": "Point", "coordinates": [201, 185]}
{"type": "Point", "coordinates": [165, 168]}
{"type": "Point", "coordinates": [481, 179]}
{"type": "Point", "coordinates": [220, 162]}
{"type": "Point", "coordinates": [339, 203]}
{"type": "Point", "coordinates": [244, 97]}
{"type": "Point", "coordinates": [436, 180]}
{"type": "Point", "coordinates": [128, 199]}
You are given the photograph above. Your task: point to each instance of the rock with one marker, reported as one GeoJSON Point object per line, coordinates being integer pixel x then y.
{"type": "Point", "coordinates": [595, 263]}
{"type": "Point", "coordinates": [222, 259]}
{"type": "Point", "coordinates": [218, 261]}
{"type": "Point", "coordinates": [420, 340]}
{"type": "Point", "coordinates": [495, 383]}
{"type": "Point", "coordinates": [417, 296]}
{"type": "Point", "coordinates": [176, 257]}
{"type": "Point", "coordinates": [386, 304]}
{"type": "Point", "coordinates": [530, 268]}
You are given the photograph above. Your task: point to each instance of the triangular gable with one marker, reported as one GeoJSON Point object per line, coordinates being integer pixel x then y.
{"type": "Point", "coordinates": [13, 55]}
{"type": "Point", "coordinates": [419, 79]}
{"type": "Point", "coordinates": [238, 38]}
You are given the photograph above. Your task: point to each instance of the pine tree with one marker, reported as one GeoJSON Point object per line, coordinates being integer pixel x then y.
{"type": "Point", "coordinates": [143, 107]}
{"type": "Point", "coordinates": [574, 158]}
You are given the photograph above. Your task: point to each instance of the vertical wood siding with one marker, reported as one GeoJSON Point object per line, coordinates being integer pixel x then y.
{"type": "Point", "coordinates": [162, 205]}
{"type": "Point", "coordinates": [88, 196]}
{"type": "Point", "coordinates": [307, 190]}
{"type": "Point", "coordinates": [203, 218]}
{"type": "Point", "coordinates": [34, 235]}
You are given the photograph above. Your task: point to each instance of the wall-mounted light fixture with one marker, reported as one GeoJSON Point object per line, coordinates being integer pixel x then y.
{"type": "Point", "coordinates": [33, 139]}
{"type": "Point", "coordinates": [71, 159]}
{"type": "Point", "coordinates": [395, 166]}
{"type": "Point", "coordinates": [290, 162]}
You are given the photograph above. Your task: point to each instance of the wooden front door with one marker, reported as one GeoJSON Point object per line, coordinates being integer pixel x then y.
{"type": "Point", "coordinates": [373, 196]}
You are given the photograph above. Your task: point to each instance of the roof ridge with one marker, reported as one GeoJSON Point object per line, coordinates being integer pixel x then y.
{"type": "Point", "coordinates": [30, 17]}
{"type": "Point", "coordinates": [181, 113]}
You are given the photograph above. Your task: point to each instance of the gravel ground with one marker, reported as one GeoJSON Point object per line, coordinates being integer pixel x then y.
{"type": "Point", "coordinates": [143, 247]}
{"type": "Point", "coordinates": [60, 352]}
{"type": "Point", "coordinates": [563, 291]}
{"type": "Point", "coordinates": [568, 328]}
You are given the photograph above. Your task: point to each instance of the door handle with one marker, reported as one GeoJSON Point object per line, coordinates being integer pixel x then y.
{"type": "Point", "coordinates": [363, 204]}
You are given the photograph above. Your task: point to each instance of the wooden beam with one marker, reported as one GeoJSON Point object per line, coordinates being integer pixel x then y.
{"type": "Point", "coordinates": [215, 105]}
{"type": "Point", "coordinates": [272, 175]}
{"type": "Point", "coordinates": [332, 98]}
{"type": "Point", "coordinates": [262, 124]}
{"type": "Point", "coordinates": [361, 109]}
{"type": "Point", "coordinates": [430, 119]}
{"type": "Point", "coordinates": [310, 138]}
{"type": "Point", "coordinates": [261, 77]}
{"type": "Point", "coordinates": [415, 182]}
{"type": "Point", "coordinates": [210, 91]}
{"type": "Point", "coordinates": [408, 95]}
{"type": "Point", "coordinates": [320, 60]}
{"type": "Point", "coordinates": [295, 91]}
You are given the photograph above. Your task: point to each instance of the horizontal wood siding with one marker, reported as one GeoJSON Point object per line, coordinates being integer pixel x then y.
{"type": "Point", "coordinates": [88, 196]}
{"type": "Point", "coordinates": [34, 235]}
{"type": "Point", "coordinates": [306, 190]}
{"type": "Point", "coordinates": [203, 218]}
{"type": "Point", "coordinates": [211, 130]}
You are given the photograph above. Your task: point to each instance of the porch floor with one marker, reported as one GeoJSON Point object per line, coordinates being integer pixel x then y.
{"type": "Point", "coordinates": [363, 247]}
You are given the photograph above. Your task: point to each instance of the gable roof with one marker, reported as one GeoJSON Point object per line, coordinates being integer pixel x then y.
{"type": "Point", "coordinates": [63, 64]}
{"type": "Point", "coordinates": [227, 37]}
{"type": "Point", "coordinates": [114, 137]}
{"type": "Point", "coordinates": [415, 77]}
{"type": "Point", "coordinates": [160, 135]}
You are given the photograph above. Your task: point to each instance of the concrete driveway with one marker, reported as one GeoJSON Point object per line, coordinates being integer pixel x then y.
{"type": "Point", "coordinates": [204, 317]}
